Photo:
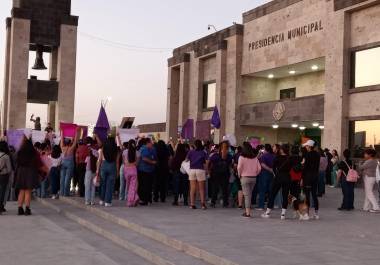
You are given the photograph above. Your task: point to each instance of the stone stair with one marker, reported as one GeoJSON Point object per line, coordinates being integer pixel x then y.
{"type": "Point", "coordinates": [149, 244]}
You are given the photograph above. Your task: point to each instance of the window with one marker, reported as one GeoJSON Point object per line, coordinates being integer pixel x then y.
{"type": "Point", "coordinates": [288, 93]}
{"type": "Point", "coordinates": [366, 68]}
{"type": "Point", "coordinates": [364, 134]}
{"type": "Point", "coordinates": [209, 95]}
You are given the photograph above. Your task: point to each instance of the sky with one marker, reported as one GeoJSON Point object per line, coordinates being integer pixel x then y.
{"type": "Point", "coordinates": [135, 79]}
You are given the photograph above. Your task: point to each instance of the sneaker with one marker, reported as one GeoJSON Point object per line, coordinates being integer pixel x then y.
{"type": "Point", "coordinates": [53, 197]}
{"type": "Point", "coordinates": [283, 217]}
{"type": "Point", "coordinates": [21, 211]}
{"type": "Point", "coordinates": [92, 203]}
{"type": "Point", "coordinates": [246, 215]}
{"type": "Point", "coordinates": [101, 203]}
{"type": "Point", "coordinates": [265, 215]}
{"type": "Point", "coordinates": [304, 217]}
{"type": "Point", "coordinates": [108, 205]}
{"type": "Point", "coordinates": [87, 203]}
{"type": "Point", "coordinates": [374, 211]}
{"type": "Point", "coordinates": [316, 217]}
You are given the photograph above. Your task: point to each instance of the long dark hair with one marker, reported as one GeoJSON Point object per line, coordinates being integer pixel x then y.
{"type": "Point", "coordinates": [110, 149]}
{"type": "Point", "coordinates": [93, 161]}
{"type": "Point", "coordinates": [27, 155]}
{"type": "Point", "coordinates": [56, 152]}
{"type": "Point", "coordinates": [131, 151]}
{"type": "Point", "coordinates": [4, 147]}
{"type": "Point", "coordinates": [162, 151]}
{"type": "Point", "coordinates": [198, 145]}
{"type": "Point", "coordinates": [248, 151]}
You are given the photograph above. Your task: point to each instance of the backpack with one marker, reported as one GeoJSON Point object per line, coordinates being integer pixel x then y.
{"type": "Point", "coordinates": [296, 172]}
{"type": "Point", "coordinates": [352, 175]}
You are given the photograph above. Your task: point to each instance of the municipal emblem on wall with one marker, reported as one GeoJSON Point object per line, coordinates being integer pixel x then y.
{"type": "Point", "coordinates": [278, 111]}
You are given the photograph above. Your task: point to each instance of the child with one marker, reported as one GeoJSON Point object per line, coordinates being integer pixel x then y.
{"type": "Point", "coordinates": [54, 173]}
{"type": "Point", "coordinates": [89, 184]}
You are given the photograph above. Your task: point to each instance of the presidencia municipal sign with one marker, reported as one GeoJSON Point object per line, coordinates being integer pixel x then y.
{"type": "Point", "coordinates": [288, 35]}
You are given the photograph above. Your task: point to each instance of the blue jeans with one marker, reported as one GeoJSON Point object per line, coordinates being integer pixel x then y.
{"type": "Point", "coordinates": [67, 171]}
{"type": "Point", "coordinates": [123, 190]}
{"type": "Point", "coordinates": [42, 190]}
{"type": "Point", "coordinates": [264, 182]}
{"type": "Point", "coordinates": [107, 180]}
{"type": "Point", "coordinates": [89, 187]}
{"type": "Point", "coordinates": [321, 183]}
{"type": "Point", "coordinates": [54, 180]}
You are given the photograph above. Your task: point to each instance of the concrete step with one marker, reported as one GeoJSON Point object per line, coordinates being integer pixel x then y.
{"type": "Point", "coordinates": [179, 245]}
{"type": "Point", "coordinates": [114, 252]}
{"type": "Point", "coordinates": [151, 250]}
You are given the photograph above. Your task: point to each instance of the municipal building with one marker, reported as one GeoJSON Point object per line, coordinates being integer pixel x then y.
{"type": "Point", "coordinates": [293, 69]}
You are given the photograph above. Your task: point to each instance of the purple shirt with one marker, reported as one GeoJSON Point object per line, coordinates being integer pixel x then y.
{"type": "Point", "coordinates": [267, 159]}
{"type": "Point", "coordinates": [197, 159]}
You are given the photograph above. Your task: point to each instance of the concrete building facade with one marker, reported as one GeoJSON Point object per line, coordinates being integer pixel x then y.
{"type": "Point", "coordinates": [293, 69]}
{"type": "Point", "coordinates": [44, 26]}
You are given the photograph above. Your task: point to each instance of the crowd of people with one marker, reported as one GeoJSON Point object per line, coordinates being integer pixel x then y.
{"type": "Point", "coordinates": [197, 174]}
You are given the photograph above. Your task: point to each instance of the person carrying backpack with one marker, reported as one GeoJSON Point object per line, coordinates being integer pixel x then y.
{"type": "Point", "coordinates": [347, 186]}
{"type": "Point", "coordinates": [295, 172]}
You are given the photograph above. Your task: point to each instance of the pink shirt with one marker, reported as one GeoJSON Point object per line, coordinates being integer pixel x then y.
{"type": "Point", "coordinates": [248, 167]}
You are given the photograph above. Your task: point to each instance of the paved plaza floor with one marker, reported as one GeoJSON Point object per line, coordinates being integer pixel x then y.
{"type": "Point", "coordinates": [348, 238]}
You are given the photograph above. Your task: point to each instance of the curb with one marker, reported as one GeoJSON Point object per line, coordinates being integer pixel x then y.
{"type": "Point", "coordinates": [157, 236]}
{"type": "Point", "coordinates": [143, 253]}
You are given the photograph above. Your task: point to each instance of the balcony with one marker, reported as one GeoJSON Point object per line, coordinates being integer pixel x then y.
{"type": "Point", "coordinates": [301, 111]}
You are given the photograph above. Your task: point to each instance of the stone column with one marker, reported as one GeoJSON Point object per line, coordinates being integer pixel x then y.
{"type": "Point", "coordinates": [53, 64]}
{"type": "Point", "coordinates": [51, 114]}
{"type": "Point", "coordinates": [66, 70]}
{"type": "Point", "coordinates": [233, 84]}
{"type": "Point", "coordinates": [335, 135]}
{"type": "Point", "coordinates": [183, 103]}
{"type": "Point", "coordinates": [4, 111]}
{"type": "Point", "coordinates": [221, 63]}
{"type": "Point", "coordinates": [18, 73]}
{"type": "Point", "coordinates": [172, 102]}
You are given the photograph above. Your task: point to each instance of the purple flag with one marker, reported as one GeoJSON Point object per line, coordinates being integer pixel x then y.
{"type": "Point", "coordinates": [102, 125]}
{"type": "Point", "coordinates": [215, 120]}
{"type": "Point", "coordinates": [188, 130]}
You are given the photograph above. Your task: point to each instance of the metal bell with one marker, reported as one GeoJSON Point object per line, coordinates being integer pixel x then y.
{"type": "Point", "coordinates": [39, 63]}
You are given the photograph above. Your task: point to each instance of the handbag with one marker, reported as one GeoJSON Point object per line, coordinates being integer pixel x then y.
{"type": "Point", "coordinates": [352, 175]}
{"type": "Point", "coordinates": [185, 167]}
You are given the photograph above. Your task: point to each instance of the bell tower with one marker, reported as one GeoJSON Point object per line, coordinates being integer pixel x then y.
{"type": "Point", "coordinates": [42, 26]}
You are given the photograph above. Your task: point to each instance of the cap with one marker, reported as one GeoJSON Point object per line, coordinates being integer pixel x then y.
{"type": "Point", "coordinates": [310, 143]}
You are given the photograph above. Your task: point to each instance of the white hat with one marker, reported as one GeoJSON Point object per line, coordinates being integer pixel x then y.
{"type": "Point", "coordinates": [310, 143]}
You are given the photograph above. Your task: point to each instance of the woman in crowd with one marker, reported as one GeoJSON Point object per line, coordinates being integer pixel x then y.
{"type": "Point", "coordinates": [54, 173]}
{"type": "Point", "coordinates": [67, 168]}
{"type": "Point", "coordinates": [130, 174]}
{"type": "Point", "coordinates": [323, 164]}
{"type": "Point", "coordinates": [237, 183]}
{"type": "Point", "coordinates": [295, 172]}
{"type": "Point", "coordinates": [181, 180]}
{"type": "Point", "coordinates": [147, 167]}
{"type": "Point", "coordinates": [162, 175]}
{"type": "Point", "coordinates": [281, 167]}
{"type": "Point", "coordinates": [29, 168]}
{"type": "Point", "coordinates": [220, 170]}
{"type": "Point", "coordinates": [123, 189]}
{"type": "Point", "coordinates": [107, 169]}
{"type": "Point", "coordinates": [198, 159]}
{"type": "Point", "coordinates": [248, 169]}
{"type": "Point", "coordinates": [335, 162]}
{"type": "Point", "coordinates": [368, 171]}
{"type": "Point", "coordinates": [347, 187]}
{"type": "Point", "coordinates": [5, 172]}
{"type": "Point", "coordinates": [266, 175]}
{"type": "Point", "coordinates": [90, 175]}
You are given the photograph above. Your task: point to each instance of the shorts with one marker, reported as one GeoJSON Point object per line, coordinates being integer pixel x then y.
{"type": "Point", "coordinates": [197, 174]}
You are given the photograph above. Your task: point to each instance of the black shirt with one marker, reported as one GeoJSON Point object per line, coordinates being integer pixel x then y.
{"type": "Point", "coordinates": [281, 166]}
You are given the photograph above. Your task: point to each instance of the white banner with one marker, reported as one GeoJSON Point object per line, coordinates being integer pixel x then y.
{"type": "Point", "coordinates": [128, 134]}
{"type": "Point", "coordinates": [38, 136]}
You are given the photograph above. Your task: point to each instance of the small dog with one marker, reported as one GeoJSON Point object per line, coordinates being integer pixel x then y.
{"type": "Point", "coordinates": [300, 207]}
